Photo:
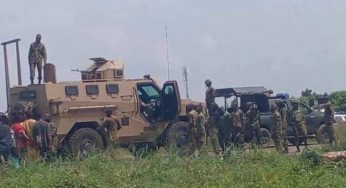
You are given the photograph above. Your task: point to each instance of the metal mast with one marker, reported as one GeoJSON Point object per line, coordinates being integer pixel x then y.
{"type": "Point", "coordinates": [167, 56]}
{"type": "Point", "coordinates": [186, 81]}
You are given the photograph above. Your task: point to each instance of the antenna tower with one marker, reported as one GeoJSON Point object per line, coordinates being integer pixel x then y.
{"type": "Point", "coordinates": [167, 55]}
{"type": "Point", "coordinates": [186, 81]}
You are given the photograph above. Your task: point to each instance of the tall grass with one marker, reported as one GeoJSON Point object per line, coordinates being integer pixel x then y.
{"type": "Point", "coordinates": [250, 169]}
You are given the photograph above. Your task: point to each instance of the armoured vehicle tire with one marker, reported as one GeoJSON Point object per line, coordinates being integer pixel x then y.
{"type": "Point", "coordinates": [265, 137]}
{"type": "Point", "coordinates": [178, 138]}
{"type": "Point", "coordinates": [322, 135]}
{"type": "Point", "coordinates": [85, 141]}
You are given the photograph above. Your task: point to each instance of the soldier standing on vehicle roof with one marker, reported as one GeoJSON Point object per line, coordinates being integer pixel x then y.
{"type": "Point", "coordinates": [283, 113]}
{"type": "Point", "coordinates": [276, 130]}
{"type": "Point", "coordinates": [297, 121]}
{"type": "Point", "coordinates": [252, 119]}
{"type": "Point", "coordinates": [37, 52]}
{"type": "Point", "coordinates": [209, 95]}
{"type": "Point", "coordinates": [329, 120]}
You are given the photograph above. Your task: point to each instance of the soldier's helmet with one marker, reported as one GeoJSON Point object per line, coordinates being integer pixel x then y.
{"type": "Point", "coordinates": [208, 82]}
{"type": "Point", "coordinates": [273, 106]}
{"type": "Point", "coordinates": [295, 102]}
{"type": "Point", "coordinates": [248, 105]}
{"type": "Point", "coordinates": [190, 107]}
{"type": "Point", "coordinates": [280, 103]}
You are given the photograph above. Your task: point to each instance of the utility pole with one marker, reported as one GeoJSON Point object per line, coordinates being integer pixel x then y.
{"type": "Point", "coordinates": [167, 55]}
{"type": "Point", "coordinates": [186, 81]}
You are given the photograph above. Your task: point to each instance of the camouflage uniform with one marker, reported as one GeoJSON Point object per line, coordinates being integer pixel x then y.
{"type": "Point", "coordinates": [213, 121]}
{"type": "Point", "coordinates": [329, 121]}
{"type": "Point", "coordinates": [297, 121]}
{"type": "Point", "coordinates": [283, 113]}
{"type": "Point", "coordinates": [224, 132]}
{"type": "Point", "coordinates": [252, 128]}
{"type": "Point", "coordinates": [277, 130]}
{"type": "Point", "coordinates": [111, 125]}
{"type": "Point", "coordinates": [209, 95]}
{"type": "Point", "coordinates": [37, 52]}
{"type": "Point", "coordinates": [53, 132]}
{"type": "Point", "coordinates": [192, 123]}
{"type": "Point", "coordinates": [238, 127]}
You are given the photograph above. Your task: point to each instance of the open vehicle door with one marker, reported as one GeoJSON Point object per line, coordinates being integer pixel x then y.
{"type": "Point", "coordinates": [170, 98]}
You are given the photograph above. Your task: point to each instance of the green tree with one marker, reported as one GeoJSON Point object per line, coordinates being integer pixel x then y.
{"type": "Point", "coordinates": [338, 98]}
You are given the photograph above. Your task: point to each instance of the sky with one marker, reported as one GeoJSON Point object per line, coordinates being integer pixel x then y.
{"type": "Point", "coordinates": [286, 46]}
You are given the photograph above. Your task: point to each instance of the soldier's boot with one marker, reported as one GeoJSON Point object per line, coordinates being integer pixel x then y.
{"type": "Point", "coordinates": [39, 81]}
{"type": "Point", "coordinates": [305, 141]}
{"type": "Point", "coordinates": [32, 81]}
{"type": "Point", "coordinates": [298, 149]}
{"type": "Point", "coordinates": [286, 150]}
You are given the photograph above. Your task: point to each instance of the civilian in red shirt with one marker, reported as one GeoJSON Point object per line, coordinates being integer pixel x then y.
{"type": "Point", "coordinates": [21, 138]}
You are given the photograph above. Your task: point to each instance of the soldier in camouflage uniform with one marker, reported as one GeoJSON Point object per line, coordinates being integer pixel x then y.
{"type": "Point", "coordinates": [329, 121]}
{"type": "Point", "coordinates": [110, 126]}
{"type": "Point", "coordinates": [37, 52]}
{"type": "Point", "coordinates": [209, 95]}
{"type": "Point", "coordinates": [200, 124]}
{"type": "Point", "coordinates": [297, 121]}
{"type": "Point", "coordinates": [276, 130]}
{"type": "Point", "coordinates": [252, 123]}
{"type": "Point", "coordinates": [192, 115]}
{"type": "Point", "coordinates": [214, 120]}
{"type": "Point", "coordinates": [225, 127]}
{"type": "Point", "coordinates": [283, 113]}
{"type": "Point", "coordinates": [238, 127]}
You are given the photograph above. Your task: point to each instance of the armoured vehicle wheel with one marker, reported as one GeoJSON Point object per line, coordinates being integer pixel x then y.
{"type": "Point", "coordinates": [85, 141]}
{"type": "Point", "coordinates": [323, 135]}
{"type": "Point", "coordinates": [178, 138]}
{"type": "Point", "coordinates": [265, 137]}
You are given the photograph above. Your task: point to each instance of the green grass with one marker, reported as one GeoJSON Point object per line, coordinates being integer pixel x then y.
{"type": "Point", "coordinates": [250, 169]}
{"type": "Point", "coordinates": [255, 168]}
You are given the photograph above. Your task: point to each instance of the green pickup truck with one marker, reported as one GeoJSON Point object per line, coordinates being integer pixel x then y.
{"type": "Point", "coordinates": [262, 97]}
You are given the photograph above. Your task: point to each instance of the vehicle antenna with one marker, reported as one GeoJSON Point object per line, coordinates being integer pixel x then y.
{"type": "Point", "coordinates": [186, 81]}
{"type": "Point", "coordinates": [167, 55]}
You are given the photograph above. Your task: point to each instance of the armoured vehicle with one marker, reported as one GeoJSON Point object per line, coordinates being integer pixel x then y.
{"type": "Point", "coordinates": [262, 97]}
{"type": "Point", "coordinates": [149, 115]}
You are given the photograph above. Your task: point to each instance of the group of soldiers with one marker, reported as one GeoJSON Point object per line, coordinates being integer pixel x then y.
{"type": "Point", "coordinates": [233, 127]}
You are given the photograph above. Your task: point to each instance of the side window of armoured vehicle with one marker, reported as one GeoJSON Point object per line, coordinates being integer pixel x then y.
{"type": "Point", "coordinates": [71, 90]}
{"type": "Point", "coordinates": [112, 88]}
{"type": "Point", "coordinates": [92, 89]}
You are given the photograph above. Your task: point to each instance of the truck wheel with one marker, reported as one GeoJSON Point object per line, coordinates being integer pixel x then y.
{"type": "Point", "coordinates": [85, 141]}
{"type": "Point", "coordinates": [265, 137]}
{"type": "Point", "coordinates": [178, 138]}
{"type": "Point", "coordinates": [323, 135]}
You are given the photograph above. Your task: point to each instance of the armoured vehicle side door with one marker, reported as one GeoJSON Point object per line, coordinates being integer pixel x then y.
{"type": "Point", "coordinates": [170, 98]}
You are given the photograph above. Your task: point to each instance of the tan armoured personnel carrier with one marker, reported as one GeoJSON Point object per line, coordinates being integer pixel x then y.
{"type": "Point", "coordinates": [149, 115]}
